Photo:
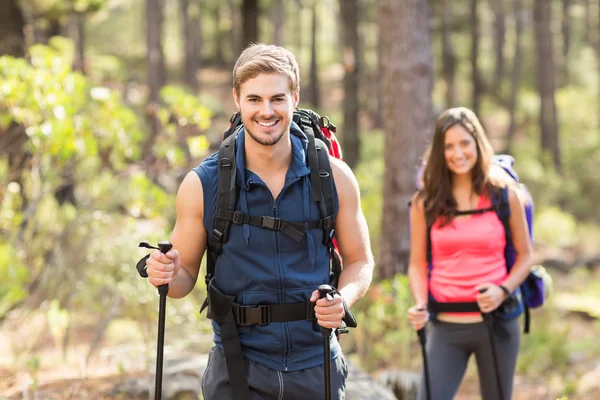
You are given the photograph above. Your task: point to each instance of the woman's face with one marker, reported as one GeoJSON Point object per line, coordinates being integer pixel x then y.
{"type": "Point", "coordinates": [460, 150]}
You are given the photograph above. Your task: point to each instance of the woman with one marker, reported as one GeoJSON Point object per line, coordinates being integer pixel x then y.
{"type": "Point", "coordinates": [466, 253]}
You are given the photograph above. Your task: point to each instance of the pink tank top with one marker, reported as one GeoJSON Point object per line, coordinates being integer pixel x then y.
{"type": "Point", "coordinates": [465, 253]}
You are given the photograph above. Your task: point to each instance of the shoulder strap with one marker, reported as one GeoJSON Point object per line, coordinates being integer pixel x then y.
{"type": "Point", "coordinates": [502, 207]}
{"type": "Point", "coordinates": [227, 194]}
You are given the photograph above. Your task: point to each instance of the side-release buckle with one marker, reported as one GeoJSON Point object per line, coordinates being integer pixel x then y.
{"type": "Point", "coordinates": [252, 315]}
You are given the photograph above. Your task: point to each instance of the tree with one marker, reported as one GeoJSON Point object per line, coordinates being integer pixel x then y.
{"type": "Point", "coordinates": [156, 69]}
{"type": "Point", "coordinates": [191, 35]}
{"type": "Point", "coordinates": [499, 34]}
{"type": "Point", "coordinates": [546, 81]}
{"type": "Point", "coordinates": [448, 54]}
{"type": "Point", "coordinates": [12, 25]}
{"type": "Point", "coordinates": [407, 77]}
{"type": "Point", "coordinates": [516, 74]}
{"type": "Point", "coordinates": [314, 95]}
{"type": "Point", "coordinates": [477, 87]}
{"type": "Point", "coordinates": [350, 61]}
{"type": "Point", "coordinates": [250, 13]}
{"type": "Point", "coordinates": [566, 44]}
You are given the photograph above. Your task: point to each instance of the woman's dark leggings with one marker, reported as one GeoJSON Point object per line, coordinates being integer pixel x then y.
{"type": "Point", "coordinates": [449, 346]}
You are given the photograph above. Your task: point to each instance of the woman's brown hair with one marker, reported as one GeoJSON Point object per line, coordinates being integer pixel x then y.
{"type": "Point", "coordinates": [437, 195]}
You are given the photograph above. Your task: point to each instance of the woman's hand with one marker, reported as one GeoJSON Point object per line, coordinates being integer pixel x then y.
{"type": "Point", "coordinates": [489, 297]}
{"type": "Point", "coordinates": [418, 316]}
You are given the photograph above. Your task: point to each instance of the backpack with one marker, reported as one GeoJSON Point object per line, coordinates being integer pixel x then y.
{"type": "Point", "coordinates": [535, 289]}
{"type": "Point", "coordinates": [322, 143]}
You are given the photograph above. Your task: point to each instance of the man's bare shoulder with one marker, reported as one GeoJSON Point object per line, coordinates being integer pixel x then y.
{"type": "Point", "coordinates": [343, 176]}
{"type": "Point", "coordinates": [190, 197]}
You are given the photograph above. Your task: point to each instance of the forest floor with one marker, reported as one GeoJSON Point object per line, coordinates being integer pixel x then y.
{"type": "Point", "coordinates": [117, 361]}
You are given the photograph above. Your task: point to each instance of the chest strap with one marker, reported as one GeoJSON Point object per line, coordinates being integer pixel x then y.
{"type": "Point", "coordinates": [295, 230]}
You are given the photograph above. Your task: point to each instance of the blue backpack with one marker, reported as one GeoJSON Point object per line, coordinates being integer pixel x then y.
{"type": "Point", "coordinates": [534, 290]}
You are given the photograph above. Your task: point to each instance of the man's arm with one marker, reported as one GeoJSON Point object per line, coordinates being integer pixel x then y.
{"type": "Point", "coordinates": [180, 267]}
{"type": "Point", "coordinates": [352, 234]}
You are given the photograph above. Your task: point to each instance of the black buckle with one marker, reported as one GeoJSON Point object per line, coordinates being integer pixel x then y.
{"type": "Point", "coordinates": [217, 234]}
{"type": "Point", "coordinates": [327, 223]}
{"type": "Point", "coordinates": [270, 223]}
{"type": "Point", "coordinates": [253, 315]}
{"type": "Point", "coordinates": [238, 217]}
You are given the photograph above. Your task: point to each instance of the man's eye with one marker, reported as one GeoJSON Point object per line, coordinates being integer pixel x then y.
{"type": "Point", "coordinates": [253, 100]}
{"type": "Point", "coordinates": [278, 100]}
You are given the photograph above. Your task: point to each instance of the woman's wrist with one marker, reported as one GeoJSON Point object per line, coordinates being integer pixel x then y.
{"type": "Point", "coordinates": [505, 290]}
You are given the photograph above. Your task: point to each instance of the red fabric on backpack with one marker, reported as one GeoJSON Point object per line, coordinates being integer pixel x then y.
{"type": "Point", "coordinates": [335, 150]}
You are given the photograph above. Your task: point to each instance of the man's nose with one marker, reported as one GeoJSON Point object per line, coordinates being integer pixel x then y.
{"type": "Point", "coordinates": [267, 108]}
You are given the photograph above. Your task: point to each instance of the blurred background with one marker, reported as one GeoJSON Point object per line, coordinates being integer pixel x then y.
{"type": "Point", "coordinates": [105, 105]}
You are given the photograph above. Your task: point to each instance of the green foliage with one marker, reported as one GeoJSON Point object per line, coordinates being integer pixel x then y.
{"type": "Point", "coordinates": [13, 275]}
{"type": "Point", "coordinates": [369, 174]}
{"type": "Point", "coordinates": [81, 132]}
{"type": "Point", "coordinates": [545, 348]}
{"type": "Point", "coordinates": [555, 227]}
{"type": "Point", "coordinates": [383, 336]}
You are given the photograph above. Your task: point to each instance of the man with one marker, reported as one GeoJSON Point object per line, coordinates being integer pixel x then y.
{"type": "Point", "coordinates": [257, 266]}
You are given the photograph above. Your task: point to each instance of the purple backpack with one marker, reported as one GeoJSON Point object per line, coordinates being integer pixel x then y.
{"type": "Point", "coordinates": [533, 291]}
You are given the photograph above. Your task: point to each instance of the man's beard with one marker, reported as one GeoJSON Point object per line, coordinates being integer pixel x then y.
{"type": "Point", "coordinates": [269, 141]}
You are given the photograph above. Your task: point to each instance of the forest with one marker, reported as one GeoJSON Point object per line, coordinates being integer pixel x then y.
{"type": "Point", "coordinates": [106, 105]}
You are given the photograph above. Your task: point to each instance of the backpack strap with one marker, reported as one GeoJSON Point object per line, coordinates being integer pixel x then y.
{"type": "Point", "coordinates": [227, 194]}
{"type": "Point", "coordinates": [502, 206]}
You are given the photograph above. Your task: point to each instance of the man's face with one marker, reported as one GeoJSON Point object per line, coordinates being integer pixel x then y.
{"type": "Point", "coordinates": [267, 105]}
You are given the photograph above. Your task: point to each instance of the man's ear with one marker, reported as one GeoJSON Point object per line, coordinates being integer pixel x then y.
{"type": "Point", "coordinates": [236, 99]}
{"type": "Point", "coordinates": [296, 98]}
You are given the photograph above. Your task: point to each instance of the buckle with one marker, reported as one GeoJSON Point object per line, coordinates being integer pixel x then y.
{"type": "Point", "coordinates": [238, 217]}
{"type": "Point", "coordinates": [253, 315]}
{"type": "Point", "coordinates": [270, 223]}
{"type": "Point", "coordinates": [217, 234]}
{"type": "Point", "coordinates": [327, 223]}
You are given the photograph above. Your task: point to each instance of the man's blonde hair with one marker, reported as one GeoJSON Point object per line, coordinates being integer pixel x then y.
{"type": "Point", "coordinates": [259, 58]}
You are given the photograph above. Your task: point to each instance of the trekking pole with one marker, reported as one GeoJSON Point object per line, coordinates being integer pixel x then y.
{"type": "Point", "coordinates": [423, 340]}
{"type": "Point", "coordinates": [325, 291]}
{"type": "Point", "coordinates": [488, 320]}
{"type": "Point", "coordinates": [164, 247]}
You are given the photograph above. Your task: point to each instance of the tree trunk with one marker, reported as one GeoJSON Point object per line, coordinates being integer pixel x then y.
{"type": "Point", "coordinates": [448, 55]}
{"type": "Point", "coordinates": [587, 22]}
{"type": "Point", "coordinates": [13, 138]}
{"type": "Point", "coordinates": [77, 34]}
{"type": "Point", "coordinates": [350, 61]}
{"type": "Point", "coordinates": [234, 32]}
{"type": "Point", "coordinates": [499, 34]}
{"type": "Point", "coordinates": [314, 95]}
{"type": "Point", "coordinates": [250, 12]}
{"type": "Point", "coordinates": [12, 25]}
{"type": "Point", "coordinates": [219, 36]}
{"type": "Point", "coordinates": [407, 108]}
{"type": "Point", "coordinates": [278, 17]}
{"type": "Point", "coordinates": [475, 75]}
{"type": "Point", "coordinates": [299, 33]}
{"type": "Point", "coordinates": [546, 81]}
{"type": "Point", "coordinates": [566, 34]}
{"type": "Point", "coordinates": [189, 28]}
{"type": "Point", "coordinates": [156, 71]}
{"type": "Point", "coordinates": [516, 74]}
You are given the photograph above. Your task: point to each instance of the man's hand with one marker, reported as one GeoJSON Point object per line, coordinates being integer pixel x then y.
{"type": "Point", "coordinates": [162, 268]}
{"type": "Point", "coordinates": [489, 297]}
{"type": "Point", "coordinates": [329, 313]}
